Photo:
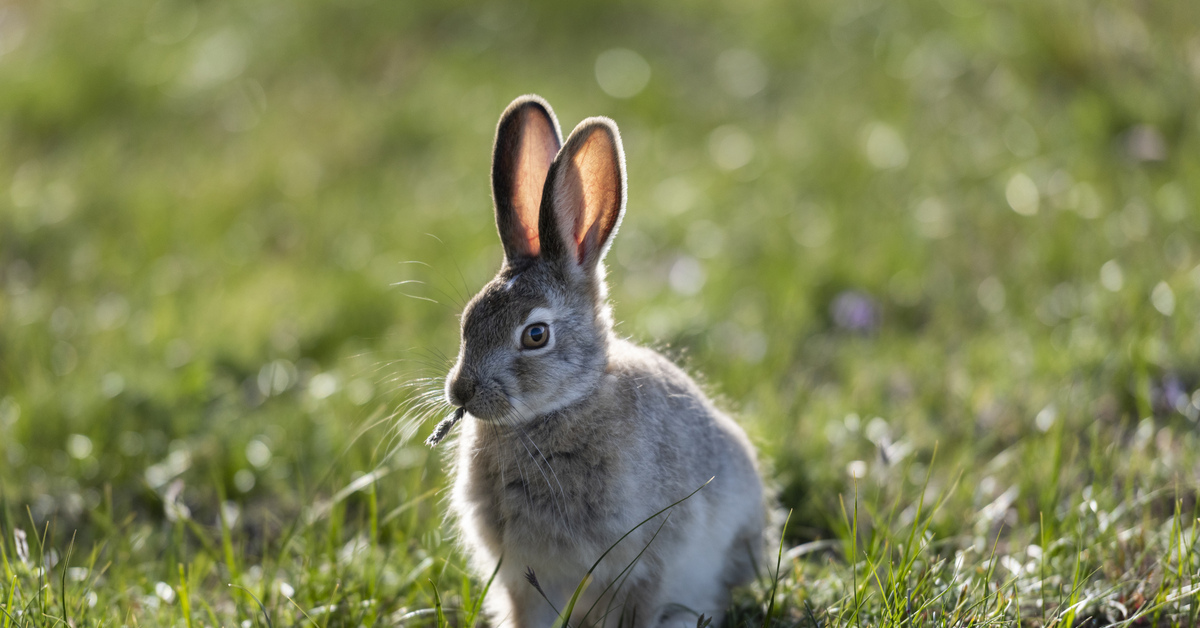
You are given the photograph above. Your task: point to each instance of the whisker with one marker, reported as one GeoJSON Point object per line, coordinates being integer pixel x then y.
{"type": "Point", "coordinates": [463, 279]}
{"type": "Point", "coordinates": [413, 296]}
{"type": "Point", "coordinates": [459, 300]}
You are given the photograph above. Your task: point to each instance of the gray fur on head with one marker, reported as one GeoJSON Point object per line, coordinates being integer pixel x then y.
{"type": "Point", "coordinates": [576, 435]}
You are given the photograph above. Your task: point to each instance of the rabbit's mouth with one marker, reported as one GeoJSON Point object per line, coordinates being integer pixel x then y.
{"type": "Point", "coordinates": [492, 400]}
{"type": "Point", "coordinates": [493, 404]}
{"type": "Point", "coordinates": [511, 412]}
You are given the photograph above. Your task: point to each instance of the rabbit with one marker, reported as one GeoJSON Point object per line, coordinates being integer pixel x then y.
{"type": "Point", "coordinates": [573, 435]}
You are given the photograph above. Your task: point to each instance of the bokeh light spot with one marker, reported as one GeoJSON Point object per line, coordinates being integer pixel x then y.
{"type": "Point", "coordinates": [687, 276]}
{"type": "Point", "coordinates": [622, 73]}
{"type": "Point", "coordinates": [1111, 276]}
{"type": "Point", "coordinates": [741, 73]}
{"type": "Point", "coordinates": [79, 446]}
{"type": "Point", "coordinates": [1022, 194]}
{"type": "Point", "coordinates": [218, 59]}
{"type": "Point", "coordinates": [885, 148]}
{"type": "Point", "coordinates": [1163, 299]}
{"type": "Point", "coordinates": [730, 147]}
{"type": "Point", "coordinates": [12, 29]}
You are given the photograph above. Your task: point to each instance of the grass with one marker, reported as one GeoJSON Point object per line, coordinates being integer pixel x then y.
{"type": "Point", "coordinates": [878, 230]}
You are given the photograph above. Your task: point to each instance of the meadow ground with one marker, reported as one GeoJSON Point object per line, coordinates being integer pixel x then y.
{"type": "Point", "coordinates": [942, 258]}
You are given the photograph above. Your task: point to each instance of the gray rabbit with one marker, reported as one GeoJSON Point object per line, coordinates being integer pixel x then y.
{"type": "Point", "coordinates": [576, 435]}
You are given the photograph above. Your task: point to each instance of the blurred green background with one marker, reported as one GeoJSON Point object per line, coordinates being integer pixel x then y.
{"type": "Point", "coordinates": [873, 228]}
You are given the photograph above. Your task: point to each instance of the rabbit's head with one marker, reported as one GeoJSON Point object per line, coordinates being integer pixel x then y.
{"type": "Point", "coordinates": [535, 339]}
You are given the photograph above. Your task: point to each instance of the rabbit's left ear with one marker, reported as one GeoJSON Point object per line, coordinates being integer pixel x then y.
{"type": "Point", "coordinates": [584, 199]}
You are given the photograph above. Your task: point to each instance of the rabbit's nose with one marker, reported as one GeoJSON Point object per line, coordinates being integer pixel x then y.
{"type": "Point", "coordinates": [462, 389]}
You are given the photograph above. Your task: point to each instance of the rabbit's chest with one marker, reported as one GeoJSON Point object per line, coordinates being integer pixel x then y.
{"type": "Point", "coordinates": [541, 494]}
{"type": "Point", "coordinates": [570, 484]}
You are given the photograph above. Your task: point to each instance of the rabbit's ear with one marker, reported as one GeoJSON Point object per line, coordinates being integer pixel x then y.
{"type": "Point", "coordinates": [527, 139]}
{"type": "Point", "coordinates": [585, 195]}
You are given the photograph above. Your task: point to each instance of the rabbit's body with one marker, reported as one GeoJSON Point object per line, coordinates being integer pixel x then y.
{"type": "Point", "coordinates": [553, 495]}
{"type": "Point", "coordinates": [576, 435]}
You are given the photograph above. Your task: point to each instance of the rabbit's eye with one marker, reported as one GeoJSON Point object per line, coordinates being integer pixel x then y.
{"type": "Point", "coordinates": [535, 336]}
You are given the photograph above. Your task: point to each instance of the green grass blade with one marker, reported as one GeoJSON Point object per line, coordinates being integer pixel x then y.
{"type": "Point", "coordinates": [476, 608]}
{"type": "Point", "coordinates": [775, 580]}
{"type": "Point", "coordinates": [261, 607]}
{"type": "Point", "coordinates": [564, 617]}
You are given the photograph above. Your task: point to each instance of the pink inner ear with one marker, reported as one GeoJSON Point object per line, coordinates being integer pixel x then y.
{"type": "Point", "coordinates": [539, 145]}
{"type": "Point", "coordinates": [533, 245]}
{"type": "Point", "coordinates": [597, 169]}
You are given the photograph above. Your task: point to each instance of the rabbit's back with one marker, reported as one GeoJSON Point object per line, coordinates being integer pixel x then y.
{"type": "Point", "coordinates": [685, 438]}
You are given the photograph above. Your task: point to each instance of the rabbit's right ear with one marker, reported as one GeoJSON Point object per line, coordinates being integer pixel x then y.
{"type": "Point", "coordinates": [527, 139]}
{"type": "Point", "coordinates": [586, 188]}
